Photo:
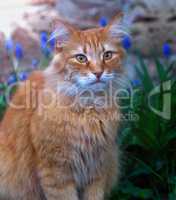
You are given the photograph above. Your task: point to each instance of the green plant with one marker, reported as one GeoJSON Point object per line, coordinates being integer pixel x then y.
{"type": "Point", "coordinates": [149, 144]}
{"type": "Point", "coordinates": [3, 103]}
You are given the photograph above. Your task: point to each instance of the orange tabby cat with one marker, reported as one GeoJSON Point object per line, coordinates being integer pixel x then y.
{"type": "Point", "coordinates": [57, 139]}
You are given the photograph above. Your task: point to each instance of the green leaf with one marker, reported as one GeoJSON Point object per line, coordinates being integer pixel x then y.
{"type": "Point", "coordinates": [162, 74]}
{"type": "Point", "coordinates": [148, 168]}
{"type": "Point", "coordinates": [170, 68]}
{"type": "Point", "coordinates": [2, 86]}
{"type": "Point", "coordinates": [172, 196]}
{"type": "Point", "coordinates": [142, 193]}
{"type": "Point", "coordinates": [3, 103]}
{"type": "Point", "coordinates": [143, 73]}
{"type": "Point", "coordinates": [139, 73]}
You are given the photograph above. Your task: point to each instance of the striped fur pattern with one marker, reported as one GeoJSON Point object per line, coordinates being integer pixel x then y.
{"type": "Point", "coordinates": [53, 147]}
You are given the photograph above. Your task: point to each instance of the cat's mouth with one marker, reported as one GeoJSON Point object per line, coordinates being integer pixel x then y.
{"type": "Point", "coordinates": [93, 83]}
{"type": "Point", "coordinates": [96, 85]}
{"type": "Point", "coordinates": [98, 81]}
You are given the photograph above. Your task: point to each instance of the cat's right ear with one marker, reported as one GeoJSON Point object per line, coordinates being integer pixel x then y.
{"type": "Point", "coordinates": [62, 33]}
{"type": "Point", "coordinates": [118, 27]}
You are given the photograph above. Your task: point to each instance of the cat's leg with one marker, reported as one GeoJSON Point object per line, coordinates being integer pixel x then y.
{"type": "Point", "coordinates": [66, 193]}
{"type": "Point", "coordinates": [57, 185]}
{"type": "Point", "coordinates": [102, 186]}
{"type": "Point", "coordinates": [95, 191]}
{"type": "Point", "coordinates": [112, 172]}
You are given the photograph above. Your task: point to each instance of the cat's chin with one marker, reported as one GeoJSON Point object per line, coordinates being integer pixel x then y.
{"type": "Point", "coordinates": [96, 86]}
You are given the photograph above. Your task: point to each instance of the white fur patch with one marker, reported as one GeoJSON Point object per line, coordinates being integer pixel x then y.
{"type": "Point", "coordinates": [107, 76]}
{"type": "Point", "coordinates": [86, 80]}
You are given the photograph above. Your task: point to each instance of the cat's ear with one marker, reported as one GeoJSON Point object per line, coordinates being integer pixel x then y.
{"type": "Point", "coordinates": [63, 32]}
{"type": "Point", "coordinates": [118, 27]}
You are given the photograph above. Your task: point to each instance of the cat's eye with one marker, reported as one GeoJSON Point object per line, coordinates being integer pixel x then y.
{"type": "Point", "coordinates": [81, 58]}
{"type": "Point", "coordinates": [107, 55]}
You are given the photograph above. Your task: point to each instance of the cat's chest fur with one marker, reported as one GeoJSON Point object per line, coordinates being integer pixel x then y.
{"type": "Point", "coordinates": [91, 147]}
{"type": "Point", "coordinates": [88, 139]}
{"type": "Point", "coordinates": [88, 159]}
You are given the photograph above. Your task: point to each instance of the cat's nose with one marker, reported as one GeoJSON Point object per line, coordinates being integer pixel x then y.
{"type": "Point", "coordinates": [98, 74]}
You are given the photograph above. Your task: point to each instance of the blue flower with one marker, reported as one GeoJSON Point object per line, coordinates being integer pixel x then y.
{"type": "Point", "coordinates": [167, 51]}
{"type": "Point", "coordinates": [103, 21]}
{"type": "Point", "coordinates": [43, 39]}
{"type": "Point", "coordinates": [35, 63]}
{"type": "Point", "coordinates": [136, 83]}
{"type": "Point", "coordinates": [126, 42]}
{"type": "Point", "coordinates": [19, 51]}
{"type": "Point", "coordinates": [22, 76]}
{"type": "Point", "coordinates": [12, 79]}
{"type": "Point", "coordinates": [9, 44]}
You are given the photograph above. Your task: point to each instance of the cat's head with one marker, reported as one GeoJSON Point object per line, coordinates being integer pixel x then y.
{"type": "Point", "coordinates": [88, 59]}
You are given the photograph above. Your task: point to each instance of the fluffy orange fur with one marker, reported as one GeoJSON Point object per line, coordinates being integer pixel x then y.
{"type": "Point", "coordinates": [52, 148]}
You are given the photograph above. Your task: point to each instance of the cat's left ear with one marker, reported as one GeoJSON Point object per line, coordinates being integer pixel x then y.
{"type": "Point", "coordinates": [62, 34]}
{"type": "Point", "coordinates": [117, 28]}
